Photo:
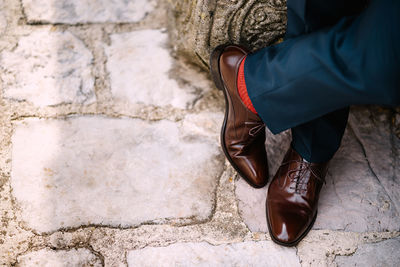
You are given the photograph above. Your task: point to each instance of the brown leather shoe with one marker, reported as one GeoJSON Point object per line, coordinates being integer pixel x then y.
{"type": "Point", "coordinates": [243, 132]}
{"type": "Point", "coordinates": [293, 198]}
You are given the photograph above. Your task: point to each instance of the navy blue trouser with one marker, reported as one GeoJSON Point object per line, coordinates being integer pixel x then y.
{"type": "Point", "coordinates": [333, 57]}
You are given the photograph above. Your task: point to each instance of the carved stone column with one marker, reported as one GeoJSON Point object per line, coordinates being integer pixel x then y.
{"type": "Point", "coordinates": [197, 26]}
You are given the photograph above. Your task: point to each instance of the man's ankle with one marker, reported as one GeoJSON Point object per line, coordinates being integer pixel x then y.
{"type": "Point", "coordinates": [242, 89]}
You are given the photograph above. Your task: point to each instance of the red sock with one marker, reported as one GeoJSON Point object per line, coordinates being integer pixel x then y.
{"type": "Point", "coordinates": [241, 84]}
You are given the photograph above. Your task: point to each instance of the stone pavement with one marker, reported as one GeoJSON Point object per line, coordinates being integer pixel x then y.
{"type": "Point", "coordinates": [109, 154]}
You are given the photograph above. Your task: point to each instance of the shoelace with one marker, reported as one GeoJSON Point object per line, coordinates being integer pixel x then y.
{"type": "Point", "coordinates": [257, 129]}
{"type": "Point", "coordinates": [299, 174]}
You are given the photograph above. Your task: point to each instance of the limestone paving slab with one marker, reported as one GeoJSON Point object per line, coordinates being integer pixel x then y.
{"type": "Point", "coordinates": [107, 171]}
{"type": "Point", "coordinates": [263, 253]}
{"type": "Point", "coordinates": [59, 258]}
{"type": "Point", "coordinates": [48, 68]}
{"type": "Point", "coordinates": [139, 64]}
{"type": "Point", "coordinates": [86, 11]}
{"type": "Point", "coordinates": [204, 124]}
{"type": "Point", "coordinates": [381, 254]}
{"type": "Point", "coordinates": [353, 199]}
{"type": "Point", "coordinates": [374, 128]}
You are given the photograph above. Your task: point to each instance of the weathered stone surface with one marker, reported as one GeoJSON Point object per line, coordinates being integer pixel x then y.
{"type": "Point", "coordinates": [251, 204]}
{"type": "Point", "coordinates": [354, 198]}
{"type": "Point", "coordinates": [263, 253]}
{"type": "Point", "coordinates": [3, 20]}
{"type": "Point", "coordinates": [204, 124]}
{"type": "Point", "coordinates": [48, 68]}
{"type": "Point", "coordinates": [276, 147]}
{"type": "Point", "coordinates": [119, 172]}
{"type": "Point", "coordinates": [375, 129]}
{"type": "Point", "coordinates": [385, 253]}
{"type": "Point", "coordinates": [139, 63]}
{"type": "Point", "coordinates": [84, 11]}
{"type": "Point", "coordinates": [197, 26]}
{"type": "Point", "coordinates": [59, 258]}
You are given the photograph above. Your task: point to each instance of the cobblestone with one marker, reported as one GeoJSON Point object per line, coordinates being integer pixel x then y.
{"type": "Point", "coordinates": [95, 170]}
{"type": "Point", "coordinates": [263, 253]}
{"type": "Point", "coordinates": [140, 60]}
{"type": "Point", "coordinates": [61, 258]}
{"type": "Point", "coordinates": [87, 11]}
{"type": "Point", "coordinates": [48, 68]}
{"type": "Point", "coordinates": [384, 253]}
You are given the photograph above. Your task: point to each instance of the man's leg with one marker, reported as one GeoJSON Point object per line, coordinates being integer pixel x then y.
{"type": "Point", "coordinates": [357, 61]}
{"type": "Point", "coordinates": [318, 140]}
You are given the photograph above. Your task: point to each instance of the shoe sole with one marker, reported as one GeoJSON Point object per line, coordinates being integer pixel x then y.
{"type": "Point", "coordinates": [294, 243]}
{"type": "Point", "coordinates": [216, 76]}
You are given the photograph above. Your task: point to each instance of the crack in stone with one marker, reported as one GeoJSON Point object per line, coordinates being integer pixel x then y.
{"type": "Point", "coordinates": [104, 77]}
{"type": "Point", "coordinates": [351, 253]}
{"type": "Point", "coordinates": [369, 165]}
{"type": "Point", "coordinates": [82, 24]}
{"type": "Point", "coordinates": [22, 9]}
{"type": "Point", "coordinates": [88, 114]}
{"type": "Point", "coordinates": [216, 200]}
{"type": "Point", "coordinates": [205, 65]}
{"type": "Point", "coordinates": [173, 222]}
{"type": "Point", "coordinates": [86, 95]}
{"type": "Point", "coordinates": [393, 144]}
{"type": "Point", "coordinates": [192, 105]}
{"type": "Point", "coordinates": [345, 227]}
{"type": "Point", "coordinates": [170, 222]}
{"type": "Point", "coordinates": [68, 248]}
{"type": "Point", "coordinates": [96, 253]}
{"type": "Point", "coordinates": [377, 240]}
{"type": "Point", "coordinates": [334, 189]}
{"type": "Point", "coordinates": [297, 254]}
{"type": "Point", "coordinates": [340, 200]}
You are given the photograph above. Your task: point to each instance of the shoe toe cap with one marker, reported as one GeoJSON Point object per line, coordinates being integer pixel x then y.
{"type": "Point", "coordinates": [257, 176]}
{"type": "Point", "coordinates": [287, 226]}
